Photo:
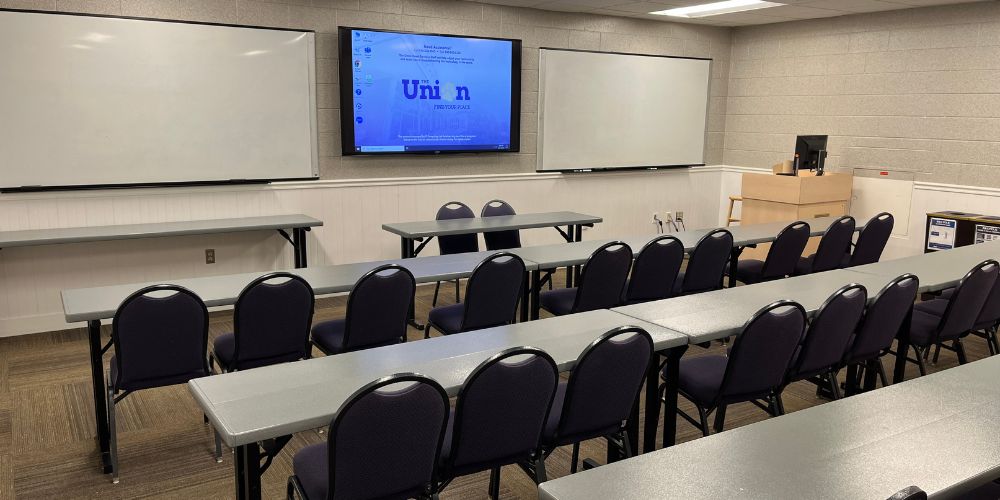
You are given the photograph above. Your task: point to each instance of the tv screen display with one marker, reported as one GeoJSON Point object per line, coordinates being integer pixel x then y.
{"type": "Point", "coordinates": [422, 93]}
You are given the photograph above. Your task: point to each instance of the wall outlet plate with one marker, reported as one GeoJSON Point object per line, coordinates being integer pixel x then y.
{"type": "Point", "coordinates": [680, 215]}
{"type": "Point", "coordinates": [210, 256]}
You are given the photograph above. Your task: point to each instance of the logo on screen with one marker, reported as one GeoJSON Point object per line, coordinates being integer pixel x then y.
{"type": "Point", "coordinates": [413, 89]}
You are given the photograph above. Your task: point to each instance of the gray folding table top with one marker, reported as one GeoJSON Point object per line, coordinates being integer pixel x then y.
{"type": "Point", "coordinates": [423, 229]}
{"type": "Point", "coordinates": [936, 270]}
{"type": "Point", "coordinates": [721, 313]}
{"type": "Point", "coordinates": [253, 405]}
{"type": "Point", "coordinates": [85, 304]}
{"type": "Point", "coordinates": [36, 237]}
{"type": "Point", "coordinates": [938, 432]}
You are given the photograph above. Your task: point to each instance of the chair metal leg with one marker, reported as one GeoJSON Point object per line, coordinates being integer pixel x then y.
{"type": "Point", "coordinates": [921, 365]}
{"type": "Point", "coordinates": [437, 288]}
{"type": "Point", "coordinates": [703, 418]}
{"type": "Point", "coordinates": [574, 458]}
{"type": "Point", "coordinates": [960, 350]}
{"type": "Point", "coordinates": [458, 297]}
{"type": "Point", "coordinates": [495, 483]}
{"type": "Point", "coordinates": [113, 437]}
{"type": "Point", "coordinates": [881, 372]}
{"type": "Point", "coordinates": [720, 418]}
{"type": "Point", "coordinates": [991, 338]}
{"type": "Point", "coordinates": [937, 353]}
{"type": "Point", "coordinates": [218, 447]}
{"type": "Point", "coordinates": [831, 378]}
{"type": "Point", "coordinates": [626, 446]}
{"type": "Point", "coordinates": [290, 489]}
{"type": "Point", "coordinates": [540, 476]}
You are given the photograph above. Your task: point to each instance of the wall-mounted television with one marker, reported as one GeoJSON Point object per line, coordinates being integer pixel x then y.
{"type": "Point", "coordinates": [416, 93]}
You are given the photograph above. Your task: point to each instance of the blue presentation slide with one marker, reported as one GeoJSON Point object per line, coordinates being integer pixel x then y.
{"type": "Point", "coordinates": [427, 93]}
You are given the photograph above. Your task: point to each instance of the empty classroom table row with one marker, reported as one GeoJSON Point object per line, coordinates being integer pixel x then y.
{"type": "Point", "coordinates": [937, 432]}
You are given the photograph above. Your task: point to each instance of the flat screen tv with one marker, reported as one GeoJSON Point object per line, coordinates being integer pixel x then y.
{"type": "Point", "coordinates": [414, 93]}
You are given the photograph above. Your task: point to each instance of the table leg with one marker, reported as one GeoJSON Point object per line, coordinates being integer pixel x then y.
{"type": "Point", "coordinates": [734, 260]}
{"type": "Point", "coordinates": [536, 306]}
{"type": "Point", "coordinates": [247, 465]}
{"type": "Point", "coordinates": [405, 248]}
{"type": "Point", "coordinates": [902, 349]}
{"type": "Point", "coordinates": [577, 237]}
{"type": "Point", "coordinates": [670, 403]}
{"type": "Point", "coordinates": [570, 269]}
{"type": "Point", "coordinates": [525, 297]}
{"type": "Point", "coordinates": [100, 396]}
{"type": "Point", "coordinates": [299, 247]}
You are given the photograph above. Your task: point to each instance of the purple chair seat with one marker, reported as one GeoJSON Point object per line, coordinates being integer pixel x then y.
{"type": "Point", "coordinates": [701, 377]}
{"type": "Point", "coordinates": [749, 270]}
{"type": "Point", "coordinates": [329, 336]}
{"type": "Point", "coordinates": [946, 294]}
{"type": "Point", "coordinates": [935, 307]}
{"type": "Point", "coordinates": [448, 318]}
{"type": "Point", "coordinates": [558, 302]}
{"type": "Point", "coordinates": [923, 328]}
{"type": "Point", "coordinates": [311, 465]}
{"type": "Point", "coordinates": [224, 348]}
{"type": "Point", "coordinates": [179, 378]}
{"type": "Point", "coordinates": [805, 264]}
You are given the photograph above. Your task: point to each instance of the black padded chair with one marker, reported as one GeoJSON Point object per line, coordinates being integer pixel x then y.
{"type": "Point", "coordinates": [601, 283]}
{"type": "Point", "coordinates": [958, 318]}
{"type": "Point", "coordinates": [871, 241]}
{"type": "Point", "coordinates": [500, 240]}
{"type": "Point", "coordinates": [499, 416]}
{"type": "Point", "coordinates": [377, 313]}
{"type": "Point", "coordinates": [160, 338]}
{"type": "Point", "coordinates": [655, 270]}
{"type": "Point", "coordinates": [385, 442]}
{"type": "Point", "coordinates": [597, 399]}
{"type": "Point", "coordinates": [754, 370]}
{"type": "Point", "coordinates": [781, 258]}
{"type": "Point", "coordinates": [491, 297]}
{"type": "Point", "coordinates": [835, 243]}
{"type": "Point", "coordinates": [271, 324]}
{"type": "Point", "coordinates": [879, 326]}
{"type": "Point", "coordinates": [455, 243]}
{"type": "Point", "coordinates": [826, 340]}
{"type": "Point", "coordinates": [986, 323]}
{"type": "Point", "coordinates": [707, 266]}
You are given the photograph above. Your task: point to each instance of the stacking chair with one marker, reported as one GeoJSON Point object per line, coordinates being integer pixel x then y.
{"type": "Point", "coordinates": [835, 243]}
{"type": "Point", "coordinates": [377, 313]}
{"type": "Point", "coordinates": [818, 357]}
{"type": "Point", "coordinates": [597, 399]}
{"type": "Point", "coordinates": [455, 243]}
{"type": "Point", "coordinates": [499, 416]}
{"type": "Point", "coordinates": [754, 370]}
{"type": "Point", "coordinates": [601, 283]}
{"type": "Point", "coordinates": [500, 240]}
{"type": "Point", "coordinates": [655, 270]}
{"type": "Point", "coordinates": [707, 266]}
{"type": "Point", "coordinates": [958, 318]}
{"type": "Point", "coordinates": [986, 322]}
{"type": "Point", "coordinates": [160, 335]}
{"type": "Point", "coordinates": [385, 442]}
{"type": "Point", "coordinates": [781, 258]}
{"type": "Point", "coordinates": [270, 324]}
{"type": "Point", "coordinates": [491, 297]}
{"type": "Point", "coordinates": [871, 241]}
{"type": "Point", "coordinates": [879, 326]}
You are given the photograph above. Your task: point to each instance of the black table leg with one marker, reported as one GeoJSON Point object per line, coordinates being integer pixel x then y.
{"type": "Point", "coordinates": [536, 306]}
{"type": "Point", "coordinates": [407, 251]}
{"type": "Point", "coordinates": [577, 237]}
{"type": "Point", "coordinates": [405, 248]}
{"type": "Point", "coordinates": [247, 465]}
{"type": "Point", "coordinates": [670, 403]}
{"type": "Point", "coordinates": [570, 270]}
{"type": "Point", "coordinates": [525, 297]}
{"type": "Point", "coordinates": [100, 396]}
{"type": "Point", "coordinates": [902, 349]}
{"type": "Point", "coordinates": [299, 247]}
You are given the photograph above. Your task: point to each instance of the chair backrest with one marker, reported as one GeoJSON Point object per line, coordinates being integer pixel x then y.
{"type": "Point", "coordinates": [493, 291]}
{"type": "Point", "coordinates": [829, 332]}
{"type": "Point", "coordinates": [386, 438]}
{"type": "Point", "coordinates": [872, 240]}
{"type": "Point", "coordinates": [500, 240]}
{"type": "Point", "coordinates": [834, 244]}
{"type": "Point", "coordinates": [884, 318]}
{"type": "Point", "coordinates": [379, 306]}
{"type": "Point", "coordinates": [271, 320]}
{"type": "Point", "coordinates": [760, 355]}
{"type": "Point", "coordinates": [604, 384]}
{"type": "Point", "coordinates": [968, 300]}
{"type": "Point", "coordinates": [456, 243]}
{"type": "Point", "coordinates": [707, 264]}
{"type": "Point", "coordinates": [603, 278]}
{"type": "Point", "coordinates": [655, 270]}
{"type": "Point", "coordinates": [785, 251]}
{"type": "Point", "coordinates": [160, 334]}
{"type": "Point", "coordinates": [501, 410]}
{"type": "Point", "coordinates": [990, 313]}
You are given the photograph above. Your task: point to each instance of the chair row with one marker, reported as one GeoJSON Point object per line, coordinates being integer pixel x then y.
{"type": "Point", "coordinates": [398, 437]}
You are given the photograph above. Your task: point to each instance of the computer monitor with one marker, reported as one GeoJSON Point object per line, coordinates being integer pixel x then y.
{"type": "Point", "coordinates": [811, 152]}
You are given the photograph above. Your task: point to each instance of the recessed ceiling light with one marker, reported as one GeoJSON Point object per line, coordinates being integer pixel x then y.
{"type": "Point", "coordinates": [716, 8]}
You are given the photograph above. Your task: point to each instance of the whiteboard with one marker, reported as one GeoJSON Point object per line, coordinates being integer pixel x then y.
{"type": "Point", "coordinates": [600, 110]}
{"type": "Point", "coordinates": [90, 100]}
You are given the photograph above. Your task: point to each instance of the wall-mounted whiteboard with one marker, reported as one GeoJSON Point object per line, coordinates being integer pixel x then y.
{"type": "Point", "coordinates": [600, 110]}
{"type": "Point", "coordinates": [88, 100]}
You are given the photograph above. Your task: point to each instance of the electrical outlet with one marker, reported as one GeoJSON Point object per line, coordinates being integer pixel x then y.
{"type": "Point", "coordinates": [668, 216]}
{"type": "Point", "coordinates": [680, 215]}
{"type": "Point", "coordinates": [210, 256]}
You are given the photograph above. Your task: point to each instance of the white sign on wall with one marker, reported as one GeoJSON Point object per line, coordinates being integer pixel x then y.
{"type": "Point", "coordinates": [941, 234]}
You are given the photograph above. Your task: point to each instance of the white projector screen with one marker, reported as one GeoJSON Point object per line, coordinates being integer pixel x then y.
{"type": "Point", "coordinates": [600, 110]}
{"type": "Point", "coordinates": [103, 101]}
